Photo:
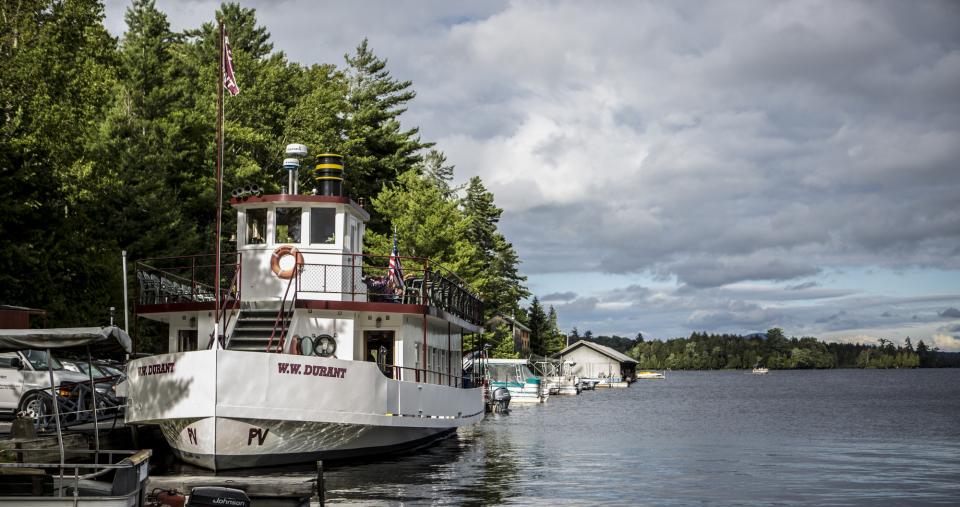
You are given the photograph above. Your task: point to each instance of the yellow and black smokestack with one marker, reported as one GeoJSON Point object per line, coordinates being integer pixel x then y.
{"type": "Point", "coordinates": [329, 174]}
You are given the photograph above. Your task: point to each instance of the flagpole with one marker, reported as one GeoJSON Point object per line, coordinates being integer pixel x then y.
{"type": "Point", "coordinates": [216, 305]}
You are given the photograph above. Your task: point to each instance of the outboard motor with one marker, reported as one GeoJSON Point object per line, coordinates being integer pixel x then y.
{"type": "Point", "coordinates": [213, 496]}
{"type": "Point", "coordinates": [500, 399]}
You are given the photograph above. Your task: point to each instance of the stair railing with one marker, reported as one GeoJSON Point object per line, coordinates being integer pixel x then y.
{"type": "Point", "coordinates": [281, 320]}
{"type": "Point", "coordinates": [228, 306]}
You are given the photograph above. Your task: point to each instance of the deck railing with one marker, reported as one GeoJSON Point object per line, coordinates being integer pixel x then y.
{"type": "Point", "coordinates": [367, 278]}
{"type": "Point", "coordinates": [414, 374]}
{"type": "Point", "coordinates": [190, 278]}
{"type": "Point", "coordinates": [355, 277]}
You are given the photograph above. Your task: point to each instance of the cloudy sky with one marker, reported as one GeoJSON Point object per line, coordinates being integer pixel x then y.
{"type": "Point", "coordinates": [675, 166]}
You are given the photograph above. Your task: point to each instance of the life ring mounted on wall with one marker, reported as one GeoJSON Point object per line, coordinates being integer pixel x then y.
{"type": "Point", "coordinates": [280, 253]}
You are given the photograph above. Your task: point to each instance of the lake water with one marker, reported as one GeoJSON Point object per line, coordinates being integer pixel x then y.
{"type": "Point", "coordinates": [834, 437]}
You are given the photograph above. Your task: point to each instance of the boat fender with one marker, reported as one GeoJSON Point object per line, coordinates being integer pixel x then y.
{"type": "Point", "coordinates": [281, 252]}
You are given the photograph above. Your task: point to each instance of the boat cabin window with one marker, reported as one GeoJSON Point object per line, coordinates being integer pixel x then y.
{"type": "Point", "coordinates": [288, 225]}
{"type": "Point", "coordinates": [323, 226]}
{"type": "Point", "coordinates": [256, 226]}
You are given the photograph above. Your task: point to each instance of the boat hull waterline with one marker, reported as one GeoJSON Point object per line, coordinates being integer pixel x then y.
{"type": "Point", "coordinates": [233, 409]}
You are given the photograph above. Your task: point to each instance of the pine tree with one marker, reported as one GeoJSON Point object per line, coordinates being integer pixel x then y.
{"type": "Point", "coordinates": [499, 282]}
{"type": "Point", "coordinates": [924, 359]}
{"type": "Point", "coordinates": [378, 150]}
{"type": "Point", "coordinates": [538, 328]}
{"type": "Point", "coordinates": [139, 162]}
{"type": "Point", "coordinates": [427, 225]}
{"type": "Point", "coordinates": [556, 340]}
{"type": "Point", "coordinates": [435, 169]}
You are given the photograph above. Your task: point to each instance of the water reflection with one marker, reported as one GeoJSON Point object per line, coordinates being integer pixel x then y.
{"type": "Point", "coordinates": [468, 468]}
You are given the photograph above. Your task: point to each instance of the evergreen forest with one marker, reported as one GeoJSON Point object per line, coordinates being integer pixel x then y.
{"type": "Point", "coordinates": [108, 144]}
{"type": "Point", "coordinates": [706, 351]}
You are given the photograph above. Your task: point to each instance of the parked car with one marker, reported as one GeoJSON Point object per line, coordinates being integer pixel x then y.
{"type": "Point", "coordinates": [104, 380]}
{"type": "Point", "coordinates": [23, 373]}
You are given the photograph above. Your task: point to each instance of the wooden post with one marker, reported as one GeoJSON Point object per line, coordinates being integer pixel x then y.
{"type": "Point", "coordinates": [426, 362]}
{"type": "Point", "coordinates": [449, 359]}
{"type": "Point", "coordinates": [320, 487]}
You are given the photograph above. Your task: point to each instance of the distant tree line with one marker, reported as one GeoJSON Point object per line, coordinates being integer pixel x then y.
{"type": "Point", "coordinates": [708, 351]}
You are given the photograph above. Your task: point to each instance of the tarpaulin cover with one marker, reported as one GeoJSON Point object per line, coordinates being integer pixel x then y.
{"type": "Point", "coordinates": [100, 339]}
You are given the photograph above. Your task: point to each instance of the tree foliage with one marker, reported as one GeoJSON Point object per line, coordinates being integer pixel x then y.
{"type": "Point", "coordinates": [109, 144]}
{"type": "Point", "coordinates": [58, 71]}
{"type": "Point", "coordinates": [704, 351]}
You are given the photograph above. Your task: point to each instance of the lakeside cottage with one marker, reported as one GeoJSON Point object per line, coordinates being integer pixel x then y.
{"type": "Point", "coordinates": [598, 361]}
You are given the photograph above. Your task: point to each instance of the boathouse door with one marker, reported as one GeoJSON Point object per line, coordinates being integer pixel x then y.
{"type": "Point", "coordinates": [378, 348]}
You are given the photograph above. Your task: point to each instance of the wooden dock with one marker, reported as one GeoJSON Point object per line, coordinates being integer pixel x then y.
{"type": "Point", "coordinates": [286, 486]}
{"type": "Point", "coordinates": [615, 385]}
{"type": "Point", "coordinates": [39, 446]}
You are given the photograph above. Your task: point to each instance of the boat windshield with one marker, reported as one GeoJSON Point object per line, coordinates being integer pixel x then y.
{"type": "Point", "coordinates": [38, 359]}
{"type": "Point", "coordinates": [525, 371]}
{"type": "Point", "coordinates": [502, 372]}
{"type": "Point", "coordinates": [509, 372]}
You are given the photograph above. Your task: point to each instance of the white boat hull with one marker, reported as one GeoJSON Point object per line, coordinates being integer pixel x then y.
{"type": "Point", "coordinates": [261, 442]}
{"type": "Point", "coordinates": [232, 409]}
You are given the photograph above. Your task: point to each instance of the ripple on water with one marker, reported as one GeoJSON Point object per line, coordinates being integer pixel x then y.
{"type": "Point", "coordinates": [842, 437]}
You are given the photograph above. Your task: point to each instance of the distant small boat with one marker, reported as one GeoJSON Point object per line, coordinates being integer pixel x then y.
{"type": "Point", "coordinates": [649, 375]}
{"type": "Point", "coordinates": [760, 371]}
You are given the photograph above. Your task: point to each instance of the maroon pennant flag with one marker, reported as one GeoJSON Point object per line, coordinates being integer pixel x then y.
{"type": "Point", "coordinates": [229, 80]}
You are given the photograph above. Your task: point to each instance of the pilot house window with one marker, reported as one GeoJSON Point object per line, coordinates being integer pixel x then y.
{"type": "Point", "coordinates": [323, 226]}
{"type": "Point", "coordinates": [288, 225]}
{"type": "Point", "coordinates": [256, 226]}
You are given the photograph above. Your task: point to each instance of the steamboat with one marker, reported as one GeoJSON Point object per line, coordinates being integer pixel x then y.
{"type": "Point", "coordinates": [298, 346]}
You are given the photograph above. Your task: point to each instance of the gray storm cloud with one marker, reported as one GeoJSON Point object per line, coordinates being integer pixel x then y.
{"type": "Point", "coordinates": [711, 144]}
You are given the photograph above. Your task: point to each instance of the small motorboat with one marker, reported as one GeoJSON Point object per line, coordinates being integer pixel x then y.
{"type": "Point", "coordinates": [646, 375]}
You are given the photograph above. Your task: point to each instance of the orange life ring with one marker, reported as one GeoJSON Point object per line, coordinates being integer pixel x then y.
{"type": "Point", "coordinates": [283, 251]}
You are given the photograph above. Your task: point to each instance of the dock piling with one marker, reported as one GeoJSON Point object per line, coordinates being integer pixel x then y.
{"type": "Point", "coordinates": [320, 486]}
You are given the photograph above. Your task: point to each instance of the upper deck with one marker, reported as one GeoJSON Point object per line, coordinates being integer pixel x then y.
{"type": "Point", "coordinates": [348, 282]}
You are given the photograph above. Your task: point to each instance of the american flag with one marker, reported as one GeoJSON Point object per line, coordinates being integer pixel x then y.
{"type": "Point", "coordinates": [395, 271]}
{"type": "Point", "coordinates": [229, 80]}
